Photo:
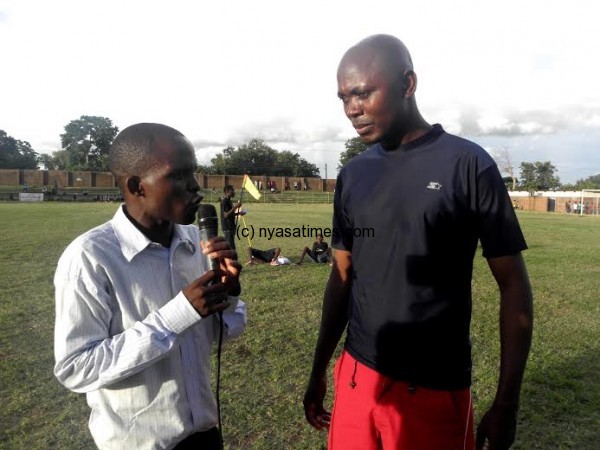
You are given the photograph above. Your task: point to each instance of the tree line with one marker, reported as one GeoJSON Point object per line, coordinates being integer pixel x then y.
{"type": "Point", "coordinates": [84, 146]}
{"type": "Point", "coordinates": [257, 158]}
{"type": "Point", "coordinates": [86, 141]}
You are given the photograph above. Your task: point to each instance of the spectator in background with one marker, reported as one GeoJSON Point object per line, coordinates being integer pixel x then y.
{"type": "Point", "coordinates": [256, 256]}
{"type": "Point", "coordinates": [320, 252]}
{"type": "Point", "coordinates": [228, 213]}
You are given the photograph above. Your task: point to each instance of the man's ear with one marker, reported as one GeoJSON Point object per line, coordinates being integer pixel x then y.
{"type": "Point", "coordinates": [133, 186]}
{"type": "Point", "coordinates": [409, 83]}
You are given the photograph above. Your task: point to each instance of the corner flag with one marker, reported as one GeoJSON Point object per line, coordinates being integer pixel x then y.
{"type": "Point", "coordinates": [249, 186]}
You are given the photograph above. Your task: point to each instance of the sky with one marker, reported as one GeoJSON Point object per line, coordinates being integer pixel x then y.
{"type": "Point", "coordinates": [518, 77]}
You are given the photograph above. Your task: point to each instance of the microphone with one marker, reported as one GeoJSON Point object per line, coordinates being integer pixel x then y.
{"type": "Point", "coordinates": [208, 225]}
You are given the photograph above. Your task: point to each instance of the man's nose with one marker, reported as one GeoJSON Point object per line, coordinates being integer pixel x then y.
{"type": "Point", "coordinates": [353, 107]}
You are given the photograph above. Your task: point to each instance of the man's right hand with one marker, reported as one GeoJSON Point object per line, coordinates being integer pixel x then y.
{"type": "Point", "coordinates": [207, 299]}
{"type": "Point", "coordinates": [314, 411]}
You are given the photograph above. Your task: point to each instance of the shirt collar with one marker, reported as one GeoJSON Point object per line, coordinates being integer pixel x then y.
{"type": "Point", "coordinates": [133, 241]}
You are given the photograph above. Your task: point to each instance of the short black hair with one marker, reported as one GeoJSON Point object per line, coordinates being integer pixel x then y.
{"type": "Point", "coordinates": [131, 151]}
{"type": "Point", "coordinates": [227, 188]}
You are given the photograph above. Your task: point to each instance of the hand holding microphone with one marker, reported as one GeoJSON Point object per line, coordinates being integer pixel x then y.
{"type": "Point", "coordinates": [208, 294]}
{"type": "Point", "coordinates": [223, 260]}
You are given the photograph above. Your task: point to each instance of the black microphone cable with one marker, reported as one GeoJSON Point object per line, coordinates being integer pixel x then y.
{"type": "Point", "coordinates": [208, 228]}
{"type": "Point", "coordinates": [208, 224]}
{"type": "Point", "coordinates": [218, 387]}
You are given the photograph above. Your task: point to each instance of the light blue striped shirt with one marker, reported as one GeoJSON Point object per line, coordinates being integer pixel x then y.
{"type": "Point", "coordinates": [126, 335]}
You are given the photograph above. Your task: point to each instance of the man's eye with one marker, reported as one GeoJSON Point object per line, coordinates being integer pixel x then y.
{"type": "Point", "coordinates": [363, 95]}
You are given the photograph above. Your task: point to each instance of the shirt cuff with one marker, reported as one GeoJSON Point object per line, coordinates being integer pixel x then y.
{"type": "Point", "coordinates": [179, 314]}
{"type": "Point", "coordinates": [233, 302]}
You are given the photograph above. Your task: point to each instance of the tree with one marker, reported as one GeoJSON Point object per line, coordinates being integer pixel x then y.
{"type": "Point", "coordinates": [16, 154]}
{"type": "Point", "coordinates": [292, 165]}
{"type": "Point", "coordinates": [205, 170]}
{"type": "Point", "coordinates": [257, 158]}
{"type": "Point", "coordinates": [87, 141]}
{"type": "Point", "coordinates": [510, 183]}
{"type": "Point", "coordinates": [547, 181]}
{"type": "Point", "coordinates": [527, 176]}
{"type": "Point", "coordinates": [591, 182]}
{"type": "Point", "coordinates": [538, 176]}
{"type": "Point", "coordinates": [56, 161]}
{"type": "Point", "coordinates": [353, 146]}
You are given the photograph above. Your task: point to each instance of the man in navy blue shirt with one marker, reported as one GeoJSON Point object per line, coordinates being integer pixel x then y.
{"type": "Point", "coordinates": [403, 293]}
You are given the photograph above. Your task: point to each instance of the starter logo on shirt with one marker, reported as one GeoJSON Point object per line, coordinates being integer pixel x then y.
{"type": "Point", "coordinates": [434, 185]}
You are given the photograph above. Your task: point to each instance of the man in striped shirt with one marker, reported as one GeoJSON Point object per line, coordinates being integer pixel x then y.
{"type": "Point", "coordinates": [136, 308]}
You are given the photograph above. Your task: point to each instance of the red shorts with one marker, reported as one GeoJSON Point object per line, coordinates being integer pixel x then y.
{"type": "Point", "coordinates": [371, 411]}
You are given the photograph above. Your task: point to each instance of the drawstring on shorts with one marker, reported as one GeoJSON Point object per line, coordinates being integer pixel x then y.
{"type": "Point", "coordinates": [353, 380]}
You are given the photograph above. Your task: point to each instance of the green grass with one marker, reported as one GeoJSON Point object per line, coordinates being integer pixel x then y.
{"type": "Point", "coordinates": [265, 371]}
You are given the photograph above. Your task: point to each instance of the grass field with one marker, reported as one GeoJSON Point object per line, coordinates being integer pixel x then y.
{"type": "Point", "coordinates": [264, 372]}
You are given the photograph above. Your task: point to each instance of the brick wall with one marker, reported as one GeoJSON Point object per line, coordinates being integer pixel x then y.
{"type": "Point", "coordinates": [33, 177]}
{"type": "Point", "coordinates": [59, 178]}
{"type": "Point", "coordinates": [103, 180]}
{"type": "Point", "coordinates": [329, 185]}
{"type": "Point", "coordinates": [592, 204]}
{"type": "Point", "coordinates": [9, 177]}
{"type": "Point", "coordinates": [234, 180]}
{"type": "Point", "coordinates": [539, 204]}
{"type": "Point", "coordinates": [214, 182]}
{"type": "Point", "coordinates": [82, 179]}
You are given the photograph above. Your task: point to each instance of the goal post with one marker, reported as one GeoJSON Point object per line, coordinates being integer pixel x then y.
{"type": "Point", "coordinates": [591, 199]}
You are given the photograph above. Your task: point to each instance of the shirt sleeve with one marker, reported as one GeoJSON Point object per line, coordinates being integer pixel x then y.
{"type": "Point", "coordinates": [342, 237]}
{"type": "Point", "coordinates": [499, 229]}
{"type": "Point", "coordinates": [87, 356]}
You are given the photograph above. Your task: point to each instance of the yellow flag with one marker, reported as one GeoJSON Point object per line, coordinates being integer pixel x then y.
{"type": "Point", "coordinates": [249, 186]}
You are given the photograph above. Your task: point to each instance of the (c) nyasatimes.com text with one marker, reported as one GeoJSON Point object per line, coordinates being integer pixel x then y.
{"type": "Point", "coordinates": [305, 231]}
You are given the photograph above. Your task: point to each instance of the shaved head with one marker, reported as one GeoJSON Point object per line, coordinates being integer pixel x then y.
{"type": "Point", "coordinates": [377, 84]}
{"type": "Point", "coordinates": [132, 151]}
{"type": "Point", "coordinates": [384, 53]}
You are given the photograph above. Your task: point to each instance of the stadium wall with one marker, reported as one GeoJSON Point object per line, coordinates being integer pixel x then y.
{"type": "Point", "coordinates": [552, 201]}
{"type": "Point", "coordinates": [9, 177]}
{"type": "Point", "coordinates": [83, 179]}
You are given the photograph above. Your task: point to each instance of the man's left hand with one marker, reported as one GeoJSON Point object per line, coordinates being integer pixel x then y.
{"type": "Point", "coordinates": [497, 427]}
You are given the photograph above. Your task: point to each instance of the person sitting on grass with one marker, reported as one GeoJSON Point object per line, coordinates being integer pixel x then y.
{"type": "Point", "coordinates": [263, 256]}
{"type": "Point", "coordinates": [320, 253]}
